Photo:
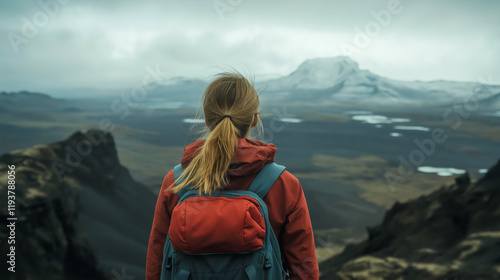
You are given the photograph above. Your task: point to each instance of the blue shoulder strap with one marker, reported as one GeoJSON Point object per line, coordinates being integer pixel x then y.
{"type": "Point", "coordinates": [266, 178]}
{"type": "Point", "coordinates": [260, 184]}
{"type": "Point", "coordinates": [177, 172]}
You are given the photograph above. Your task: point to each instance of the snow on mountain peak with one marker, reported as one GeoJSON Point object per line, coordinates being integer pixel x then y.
{"type": "Point", "coordinates": [336, 64]}
{"type": "Point", "coordinates": [318, 73]}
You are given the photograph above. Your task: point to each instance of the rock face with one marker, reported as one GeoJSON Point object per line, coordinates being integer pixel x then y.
{"type": "Point", "coordinates": [453, 233]}
{"type": "Point", "coordinates": [54, 209]}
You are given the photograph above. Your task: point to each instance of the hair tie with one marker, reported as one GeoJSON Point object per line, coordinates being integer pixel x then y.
{"type": "Point", "coordinates": [223, 117]}
{"type": "Point", "coordinates": [227, 116]}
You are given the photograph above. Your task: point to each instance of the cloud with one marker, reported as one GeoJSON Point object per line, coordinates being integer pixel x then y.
{"type": "Point", "coordinates": [108, 44]}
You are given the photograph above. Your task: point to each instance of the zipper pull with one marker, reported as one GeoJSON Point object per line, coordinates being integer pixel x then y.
{"type": "Point", "coordinates": [267, 264]}
{"type": "Point", "coordinates": [168, 265]}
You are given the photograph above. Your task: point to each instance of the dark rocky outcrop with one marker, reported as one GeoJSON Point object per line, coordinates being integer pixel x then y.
{"type": "Point", "coordinates": [61, 190]}
{"type": "Point", "coordinates": [452, 233]}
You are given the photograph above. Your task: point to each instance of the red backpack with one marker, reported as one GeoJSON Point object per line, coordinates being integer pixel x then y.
{"type": "Point", "coordinates": [225, 235]}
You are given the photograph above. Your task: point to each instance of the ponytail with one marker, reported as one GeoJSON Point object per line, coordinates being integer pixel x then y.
{"type": "Point", "coordinates": [208, 168]}
{"type": "Point", "coordinates": [230, 105]}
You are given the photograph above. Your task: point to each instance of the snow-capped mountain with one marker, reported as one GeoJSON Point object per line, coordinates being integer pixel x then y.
{"type": "Point", "coordinates": [320, 73]}
{"type": "Point", "coordinates": [339, 79]}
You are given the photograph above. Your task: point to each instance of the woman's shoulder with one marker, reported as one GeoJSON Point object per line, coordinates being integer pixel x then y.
{"type": "Point", "coordinates": [167, 195]}
{"type": "Point", "coordinates": [168, 180]}
{"type": "Point", "coordinates": [285, 191]}
{"type": "Point", "coordinates": [289, 178]}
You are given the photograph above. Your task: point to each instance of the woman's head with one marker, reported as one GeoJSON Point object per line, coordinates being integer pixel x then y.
{"type": "Point", "coordinates": [231, 94]}
{"type": "Point", "coordinates": [231, 109]}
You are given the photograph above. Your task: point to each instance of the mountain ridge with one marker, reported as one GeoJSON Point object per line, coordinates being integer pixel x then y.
{"type": "Point", "coordinates": [81, 214]}
{"type": "Point", "coordinates": [452, 233]}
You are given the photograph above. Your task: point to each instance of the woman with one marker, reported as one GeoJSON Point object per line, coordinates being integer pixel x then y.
{"type": "Point", "coordinates": [227, 159]}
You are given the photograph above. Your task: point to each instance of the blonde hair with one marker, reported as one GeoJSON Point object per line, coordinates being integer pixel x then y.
{"type": "Point", "coordinates": [229, 94]}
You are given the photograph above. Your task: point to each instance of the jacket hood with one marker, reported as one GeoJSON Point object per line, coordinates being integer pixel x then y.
{"type": "Point", "coordinates": [250, 156]}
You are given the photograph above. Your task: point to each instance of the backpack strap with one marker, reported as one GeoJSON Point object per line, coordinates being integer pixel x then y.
{"type": "Point", "coordinates": [177, 172]}
{"type": "Point", "coordinates": [260, 184]}
{"type": "Point", "coordinates": [266, 178]}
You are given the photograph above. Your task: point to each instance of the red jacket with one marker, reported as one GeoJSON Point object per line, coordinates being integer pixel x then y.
{"type": "Point", "coordinates": [288, 212]}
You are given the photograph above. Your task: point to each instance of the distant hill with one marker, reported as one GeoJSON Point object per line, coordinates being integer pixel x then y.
{"type": "Point", "coordinates": [176, 89]}
{"type": "Point", "coordinates": [80, 215]}
{"type": "Point", "coordinates": [452, 233]}
{"type": "Point", "coordinates": [24, 95]}
{"type": "Point", "coordinates": [24, 101]}
{"type": "Point", "coordinates": [26, 105]}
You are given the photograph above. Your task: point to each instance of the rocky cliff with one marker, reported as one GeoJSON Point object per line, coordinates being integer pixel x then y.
{"type": "Point", "coordinates": [453, 233]}
{"type": "Point", "coordinates": [80, 215]}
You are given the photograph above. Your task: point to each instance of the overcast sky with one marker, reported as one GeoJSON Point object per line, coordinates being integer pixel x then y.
{"type": "Point", "coordinates": [109, 44]}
